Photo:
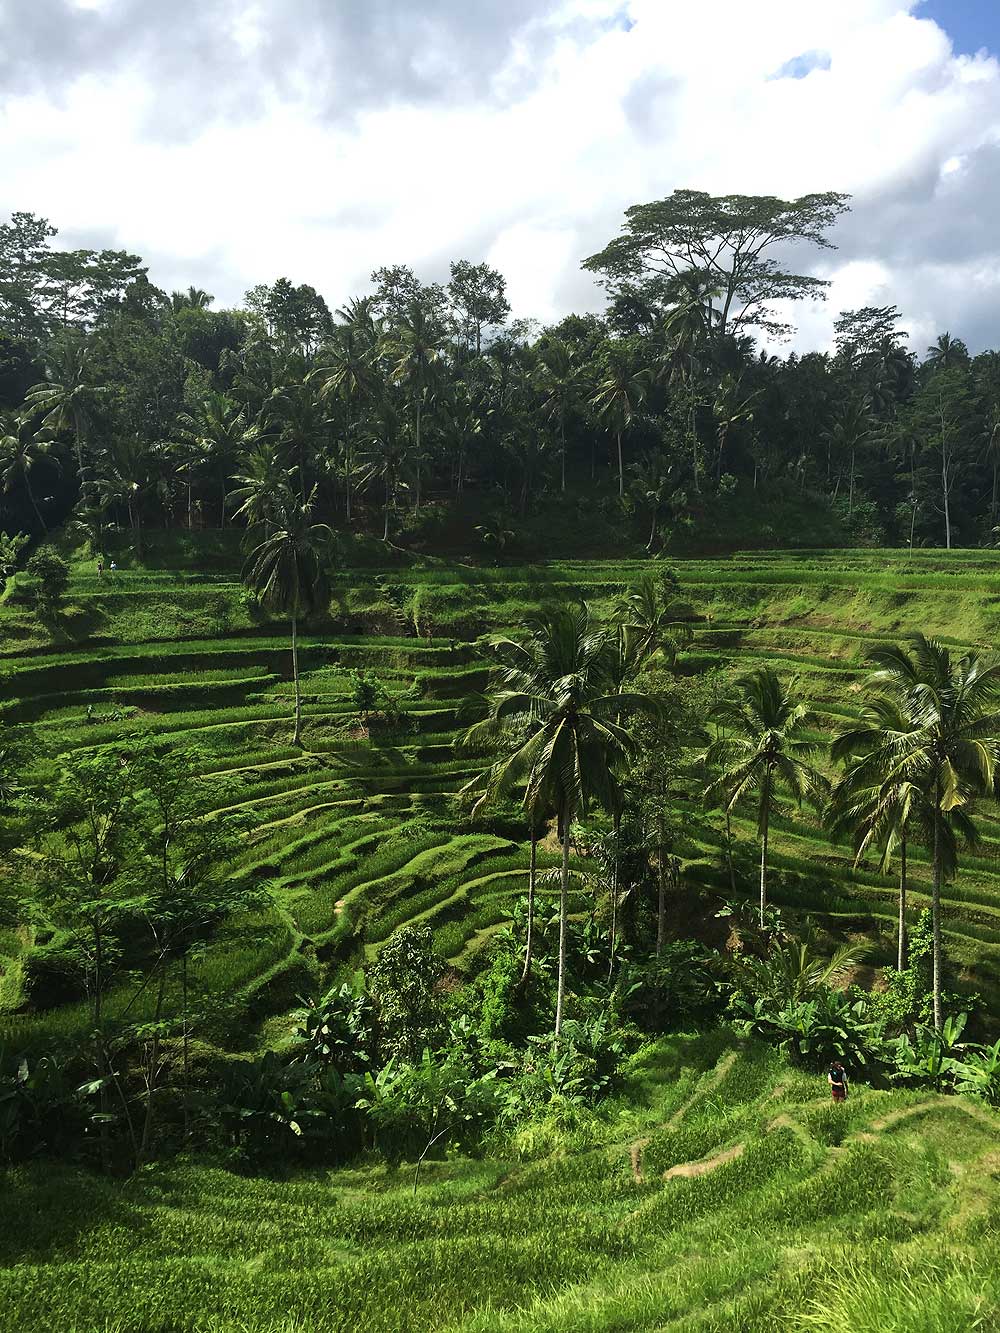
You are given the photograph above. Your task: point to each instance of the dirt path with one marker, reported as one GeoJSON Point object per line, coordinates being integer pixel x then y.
{"type": "Point", "coordinates": [706, 1164]}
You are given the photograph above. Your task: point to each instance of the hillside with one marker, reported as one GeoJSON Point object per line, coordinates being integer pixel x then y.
{"type": "Point", "coordinates": [727, 1194]}
{"type": "Point", "coordinates": [356, 834]}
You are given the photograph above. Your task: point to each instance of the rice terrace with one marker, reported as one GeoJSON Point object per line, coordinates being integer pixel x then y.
{"type": "Point", "coordinates": [499, 667]}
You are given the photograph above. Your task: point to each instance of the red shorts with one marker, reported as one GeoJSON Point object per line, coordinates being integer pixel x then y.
{"type": "Point", "coordinates": [839, 1094]}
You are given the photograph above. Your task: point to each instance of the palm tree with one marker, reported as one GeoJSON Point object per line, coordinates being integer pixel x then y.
{"type": "Point", "coordinates": [552, 696]}
{"type": "Point", "coordinates": [618, 396]}
{"type": "Point", "coordinates": [766, 746]}
{"type": "Point", "coordinates": [193, 299]}
{"type": "Point", "coordinates": [346, 371]}
{"type": "Point", "coordinates": [558, 378]}
{"type": "Point", "coordinates": [290, 572]}
{"type": "Point", "coordinates": [66, 399]}
{"type": "Point", "coordinates": [216, 430]}
{"type": "Point", "coordinates": [947, 353]}
{"type": "Point", "coordinates": [651, 615]}
{"type": "Point", "coordinates": [731, 406]}
{"type": "Point", "coordinates": [876, 814]}
{"type": "Point", "coordinates": [22, 448]}
{"type": "Point", "coordinates": [386, 457]}
{"type": "Point", "coordinates": [414, 347]}
{"type": "Point", "coordinates": [259, 489]}
{"type": "Point", "coordinates": [947, 748]}
{"type": "Point", "coordinates": [850, 429]}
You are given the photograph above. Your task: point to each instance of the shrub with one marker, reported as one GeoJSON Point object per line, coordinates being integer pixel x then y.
{"type": "Point", "coordinates": [50, 578]}
{"type": "Point", "coordinates": [403, 983]}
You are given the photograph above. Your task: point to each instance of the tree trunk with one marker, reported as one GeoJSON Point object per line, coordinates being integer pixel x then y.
{"type": "Point", "coordinates": [529, 942]}
{"type": "Point", "coordinates": [145, 1142]}
{"type": "Point", "coordinates": [185, 1056]}
{"type": "Point", "coordinates": [563, 902]}
{"type": "Point", "coordinates": [765, 814]}
{"type": "Point", "coordinates": [729, 850]}
{"type": "Point", "coordinates": [34, 503]}
{"type": "Point", "coordinates": [416, 507]}
{"type": "Point", "coordinates": [562, 455]}
{"type": "Point", "coordinates": [938, 869]}
{"type": "Point", "coordinates": [947, 505]}
{"type": "Point", "coordinates": [661, 895]}
{"type": "Point", "coordinates": [850, 494]}
{"type": "Point", "coordinates": [297, 738]}
{"type": "Point", "coordinates": [385, 528]}
{"type": "Point", "coordinates": [614, 897]}
{"type": "Point", "coordinates": [621, 470]}
{"type": "Point", "coordinates": [225, 497]}
{"type": "Point", "coordinates": [901, 959]}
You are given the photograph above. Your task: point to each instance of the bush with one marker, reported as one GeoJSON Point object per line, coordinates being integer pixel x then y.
{"type": "Point", "coordinates": [403, 983]}
{"type": "Point", "coordinates": [679, 988]}
{"type": "Point", "coordinates": [50, 578]}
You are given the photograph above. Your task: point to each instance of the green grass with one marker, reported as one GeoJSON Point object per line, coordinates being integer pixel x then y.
{"type": "Point", "coordinates": [879, 1215]}
{"type": "Point", "coordinates": [224, 687]}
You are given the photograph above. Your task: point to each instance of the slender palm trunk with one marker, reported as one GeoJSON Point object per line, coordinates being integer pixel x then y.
{"type": "Point", "coordinates": [34, 503]}
{"type": "Point", "coordinates": [661, 894]}
{"type": "Point", "coordinates": [385, 527]}
{"type": "Point", "coordinates": [562, 455]}
{"type": "Point", "coordinates": [729, 850]}
{"type": "Point", "coordinates": [901, 959]}
{"type": "Point", "coordinates": [532, 875]}
{"type": "Point", "coordinates": [563, 901]}
{"type": "Point", "coordinates": [185, 1057]}
{"type": "Point", "coordinates": [765, 814]}
{"type": "Point", "coordinates": [938, 869]}
{"type": "Point", "coordinates": [614, 898]}
{"type": "Point", "coordinates": [297, 738]}
{"type": "Point", "coordinates": [621, 470]}
{"type": "Point", "coordinates": [850, 494]}
{"type": "Point", "coordinates": [416, 506]}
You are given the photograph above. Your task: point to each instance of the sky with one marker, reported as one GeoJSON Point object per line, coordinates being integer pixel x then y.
{"type": "Point", "coordinates": [230, 142]}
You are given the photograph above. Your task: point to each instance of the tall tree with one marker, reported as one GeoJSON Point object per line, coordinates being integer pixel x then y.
{"type": "Point", "coordinates": [552, 689]}
{"type": "Point", "coordinates": [726, 240]}
{"type": "Point", "coordinates": [620, 391]}
{"type": "Point", "coordinates": [22, 449]}
{"type": "Point", "coordinates": [766, 747]}
{"type": "Point", "coordinates": [948, 748]}
{"type": "Point", "coordinates": [290, 572]}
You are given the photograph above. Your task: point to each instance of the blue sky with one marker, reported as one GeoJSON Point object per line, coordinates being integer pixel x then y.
{"type": "Point", "coordinates": [970, 24]}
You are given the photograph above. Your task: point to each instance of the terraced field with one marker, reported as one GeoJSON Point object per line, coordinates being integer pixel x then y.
{"type": "Point", "coordinates": [724, 1192]}
{"type": "Point", "coordinates": [359, 832]}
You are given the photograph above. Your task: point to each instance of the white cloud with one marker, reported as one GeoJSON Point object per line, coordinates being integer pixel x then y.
{"type": "Point", "coordinates": [577, 110]}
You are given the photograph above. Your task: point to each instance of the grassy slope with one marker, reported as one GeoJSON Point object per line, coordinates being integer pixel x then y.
{"type": "Point", "coordinates": [361, 835]}
{"type": "Point", "coordinates": [727, 1194]}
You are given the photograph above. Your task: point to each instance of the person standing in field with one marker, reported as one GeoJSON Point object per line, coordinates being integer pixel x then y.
{"type": "Point", "coordinates": [100, 566]}
{"type": "Point", "coordinates": [837, 1078]}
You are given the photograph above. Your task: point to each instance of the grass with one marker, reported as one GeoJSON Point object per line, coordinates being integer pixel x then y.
{"type": "Point", "coordinates": [347, 821]}
{"type": "Point", "coordinates": [785, 1213]}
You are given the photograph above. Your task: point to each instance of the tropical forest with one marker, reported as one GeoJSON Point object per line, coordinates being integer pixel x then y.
{"type": "Point", "coordinates": [499, 820]}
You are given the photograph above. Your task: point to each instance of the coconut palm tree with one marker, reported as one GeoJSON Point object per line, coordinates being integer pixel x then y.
{"type": "Point", "coordinates": [620, 392]}
{"type": "Point", "coordinates": [386, 456]}
{"type": "Point", "coordinates": [290, 572]}
{"type": "Point", "coordinates": [947, 353]}
{"type": "Point", "coordinates": [346, 371]}
{"type": "Point", "coordinates": [947, 748]}
{"type": "Point", "coordinates": [216, 430]}
{"type": "Point", "coordinates": [22, 449]}
{"type": "Point", "coordinates": [66, 399]}
{"type": "Point", "coordinates": [765, 748]}
{"type": "Point", "coordinates": [651, 615]}
{"type": "Point", "coordinates": [552, 695]}
{"type": "Point", "coordinates": [193, 299]}
{"type": "Point", "coordinates": [414, 348]}
{"type": "Point", "coordinates": [558, 377]}
{"type": "Point", "coordinates": [850, 429]}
